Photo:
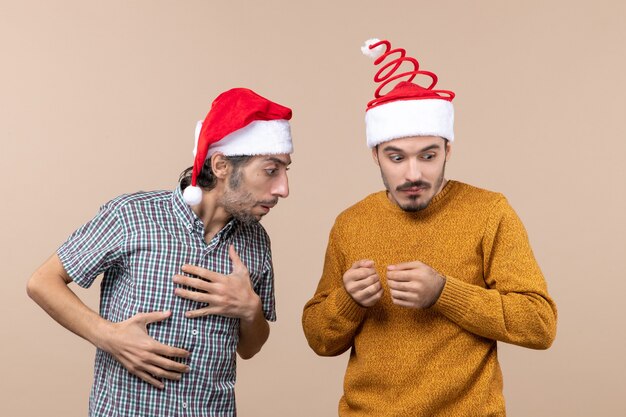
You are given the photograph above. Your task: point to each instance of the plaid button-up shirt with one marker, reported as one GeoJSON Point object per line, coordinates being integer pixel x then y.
{"type": "Point", "coordinates": [140, 241]}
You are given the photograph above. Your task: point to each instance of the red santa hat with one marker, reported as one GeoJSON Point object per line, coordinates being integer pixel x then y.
{"type": "Point", "coordinates": [408, 109]}
{"type": "Point", "coordinates": [240, 122]}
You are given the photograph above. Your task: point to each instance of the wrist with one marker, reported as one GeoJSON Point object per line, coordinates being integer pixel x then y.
{"type": "Point", "coordinates": [441, 284]}
{"type": "Point", "coordinates": [254, 309]}
{"type": "Point", "coordinates": [101, 334]}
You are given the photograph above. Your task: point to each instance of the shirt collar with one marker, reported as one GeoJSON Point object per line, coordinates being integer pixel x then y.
{"type": "Point", "coordinates": [182, 209]}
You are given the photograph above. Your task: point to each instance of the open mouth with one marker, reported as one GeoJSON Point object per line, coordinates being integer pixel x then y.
{"type": "Point", "coordinates": [266, 207]}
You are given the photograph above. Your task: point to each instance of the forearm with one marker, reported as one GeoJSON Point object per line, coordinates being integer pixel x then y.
{"type": "Point", "coordinates": [331, 318]}
{"type": "Point", "coordinates": [524, 318]}
{"type": "Point", "coordinates": [330, 321]}
{"type": "Point", "coordinates": [514, 305]}
{"type": "Point", "coordinates": [253, 332]}
{"type": "Point", "coordinates": [48, 287]}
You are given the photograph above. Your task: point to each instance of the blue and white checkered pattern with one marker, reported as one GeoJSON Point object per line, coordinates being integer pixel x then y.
{"type": "Point", "coordinates": [140, 241]}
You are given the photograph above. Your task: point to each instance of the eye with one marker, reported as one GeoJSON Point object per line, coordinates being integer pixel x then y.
{"type": "Point", "coordinates": [428, 156]}
{"type": "Point", "coordinates": [271, 171]}
{"type": "Point", "coordinates": [395, 157]}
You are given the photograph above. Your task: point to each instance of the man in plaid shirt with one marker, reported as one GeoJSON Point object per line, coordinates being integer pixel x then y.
{"type": "Point", "coordinates": [188, 277]}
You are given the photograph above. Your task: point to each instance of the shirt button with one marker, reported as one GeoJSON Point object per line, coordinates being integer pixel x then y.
{"type": "Point", "coordinates": [194, 332]}
{"type": "Point", "coordinates": [184, 405]}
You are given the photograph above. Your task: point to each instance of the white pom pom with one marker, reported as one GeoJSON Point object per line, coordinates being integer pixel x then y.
{"type": "Point", "coordinates": [372, 53]}
{"type": "Point", "coordinates": [192, 195]}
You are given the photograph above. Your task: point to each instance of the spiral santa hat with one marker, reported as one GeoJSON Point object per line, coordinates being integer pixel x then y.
{"type": "Point", "coordinates": [240, 122]}
{"type": "Point", "coordinates": [408, 109]}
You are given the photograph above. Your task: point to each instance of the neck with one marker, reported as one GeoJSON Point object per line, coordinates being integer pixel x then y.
{"type": "Point", "coordinates": [211, 213]}
{"type": "Point", "coordinates": [441, 187]}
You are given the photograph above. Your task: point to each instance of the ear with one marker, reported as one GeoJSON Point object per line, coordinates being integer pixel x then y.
{"type": "Point", "coordinates": [448, 150]}
{"type": "Point", "coordinates": [375, 155]}
{"type": "Point", "coordinates": [220, 165]}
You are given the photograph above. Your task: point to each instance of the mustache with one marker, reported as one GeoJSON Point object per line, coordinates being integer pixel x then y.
{"type": "Point", "coordinates": [271, 202]}
{"type": "Point", "coordinates": [411, 184]}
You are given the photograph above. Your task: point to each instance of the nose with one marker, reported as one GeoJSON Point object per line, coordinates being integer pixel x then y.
{"type": "Point", "coordinates": [281, 186]}
{"type": "Point", "coordinates": [413, 173]}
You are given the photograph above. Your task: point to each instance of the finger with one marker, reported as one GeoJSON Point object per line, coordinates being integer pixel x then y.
{"type": "Point", "coordinates": [198, 284]}
{"type": "Point", "coordinates": [370, 290]}
{"type": "Point", "coordinates": [161, 349]}
{"type": "Point", "coordinates": [200, 297]}
{"type": "Point", "coordinates": [403, 303]}
{"type": "Point", "coordinates": [402, 295]}
{"type": "Point", "coordinates": [168, 365]}
{"type": "Point", "coordinates": [238, 265]}
{"type": "Point", "coordinates": [201, 312]}
{"type": "Point", "coordinates": [202, 272]}
{"type": "Point", "coordinates": [144, 376]}
{"type": "Point", "coordinates": [399, 285]}
{"type": "Point", "coordinates": [405, 265]}
{"type": "Point", "coordinates": [374, 297]}
{"type": "Point", "coordinates": [363, 263]}
{"type": "Point", "coordinates": [360, 274]}
{"type": "Point", "coordinates": [402, 275]}
{"type": "Point", "coordinates": [153, 316]}
{"type": "Point", "coordinates": [157, 372]}
{"type": "Point", "coordinates": [355, 285]}
{"type": "Point", "coordinates": [366, 282]}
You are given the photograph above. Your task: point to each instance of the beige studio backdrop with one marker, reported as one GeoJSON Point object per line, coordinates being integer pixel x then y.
{"type": "Point", "coordinates": [101, 98]}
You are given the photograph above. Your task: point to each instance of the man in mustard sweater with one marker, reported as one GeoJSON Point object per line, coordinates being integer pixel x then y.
{"type": "Point", "coordinates": [420, 281]}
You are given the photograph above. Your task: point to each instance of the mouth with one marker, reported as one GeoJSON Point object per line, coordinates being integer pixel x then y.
{"type": "Point", "coordinates": [413, 190]}
{"type": "Point", "coordinates": [266, 207]}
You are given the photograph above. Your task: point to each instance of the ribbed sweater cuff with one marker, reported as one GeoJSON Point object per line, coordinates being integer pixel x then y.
{"type": "Point", "coordinates": [456, 298]}
{"type": "Point", "coordinates": [347, 307]}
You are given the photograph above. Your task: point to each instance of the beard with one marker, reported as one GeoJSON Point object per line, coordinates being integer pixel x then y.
{"type": "Point", "coordinates": [239, 205]}
{"type": "Point", "coordinates": [414, 205]}
{"type": "Point", "coordinates": [238, 202]}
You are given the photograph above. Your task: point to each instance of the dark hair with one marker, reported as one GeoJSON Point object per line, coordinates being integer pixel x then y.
{"type": "Point", "coordinates": [206, 180]}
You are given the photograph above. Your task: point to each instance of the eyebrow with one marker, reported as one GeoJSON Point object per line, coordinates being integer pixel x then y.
{"type": "Point", "coordinates": [392, 148]}
{"type": "Point", "coordinates": [277, 160]}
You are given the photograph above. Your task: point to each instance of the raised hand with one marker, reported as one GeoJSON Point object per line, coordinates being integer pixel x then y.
{"type": "Point", "coordinates": [414, 284]}
{"type": "Point", "coordinates": [227, 295]}
{"type": "Point", "coordinates": [362, 283]}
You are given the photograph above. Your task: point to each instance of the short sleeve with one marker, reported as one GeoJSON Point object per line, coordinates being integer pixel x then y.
{"type": "Point", "coordinates": [94, 248]}
{"type": "Point", "coordinates": [265, 289]}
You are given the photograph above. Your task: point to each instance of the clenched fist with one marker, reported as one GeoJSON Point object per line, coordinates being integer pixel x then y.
{"type": "Point", "coordinates": [362, 283]}
{"type": "Point", "coordinates": [414, 284]}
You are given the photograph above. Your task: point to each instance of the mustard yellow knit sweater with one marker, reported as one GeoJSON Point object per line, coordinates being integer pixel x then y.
{"type": "Point", "coordinates": [439, 361]}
